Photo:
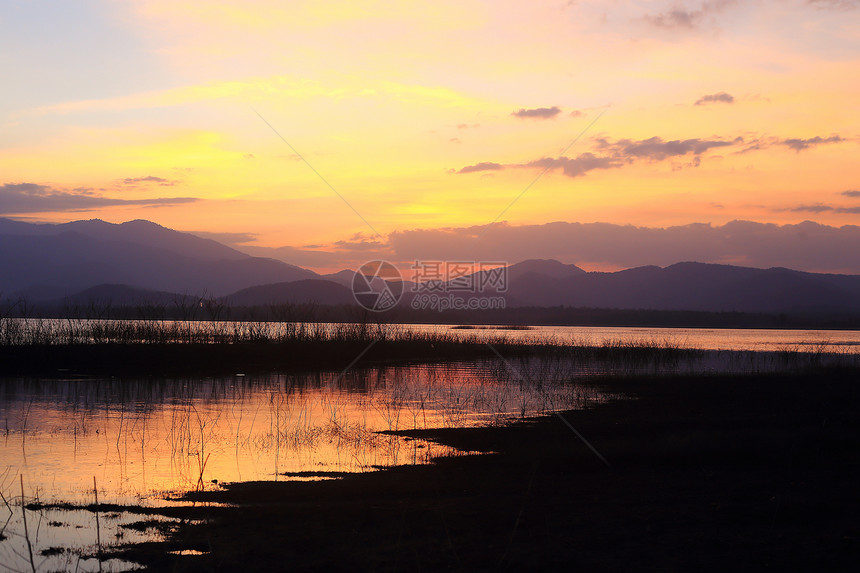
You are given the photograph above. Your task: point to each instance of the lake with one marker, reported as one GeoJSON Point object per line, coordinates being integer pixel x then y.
{"type": "Point", "coordinates": [146, 441]}
{"type": "Point", "coordinates": [736, 339]}
{"type": "Point", "coordinates": [15, 331]}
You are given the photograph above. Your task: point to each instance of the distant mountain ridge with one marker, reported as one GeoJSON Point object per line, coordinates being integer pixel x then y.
{"type": "Point", "coordinates": [138, 231]}
{"type": "Point", "coordinates": [296, 292]}
{"type": "Point", "coordinates": [141, 261]}
{"type": "Point", "coordinates": [60, 260]}
{"type": "Point", "coordinates": [693, 286]}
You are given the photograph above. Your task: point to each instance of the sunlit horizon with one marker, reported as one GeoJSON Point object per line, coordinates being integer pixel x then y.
{"type": "Point", "coordinates": [337, 132]}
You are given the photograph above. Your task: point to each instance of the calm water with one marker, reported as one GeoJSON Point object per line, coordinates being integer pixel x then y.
{"type": "Point", "coordinates": [756, 340]}
{"type": "Point", "coordinates": [144, 441]}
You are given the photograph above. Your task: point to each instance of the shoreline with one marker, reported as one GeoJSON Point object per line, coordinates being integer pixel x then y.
{"type": "Point", "coordinates": [708, 473]}
{"type": "Point", "coordinates": [146, 348]}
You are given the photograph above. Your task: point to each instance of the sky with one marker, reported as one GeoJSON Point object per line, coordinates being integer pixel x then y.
{"type": "Point", "coordinates": [606, 134]}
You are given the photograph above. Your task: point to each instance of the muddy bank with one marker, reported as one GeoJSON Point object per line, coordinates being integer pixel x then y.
{"type": "Point", "coordinates": [706, 473]}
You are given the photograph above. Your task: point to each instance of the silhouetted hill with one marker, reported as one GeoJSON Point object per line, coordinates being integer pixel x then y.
{"type": "Point", "coordinates": [119, 295]}
{"type": "Point", "coordinates": [693, 286]}
{"type": "Point", "coordinates": [543, 267]}
{"type": "Point", "coordinates": [343, 277]}
{"type": "Point", "coordinates": [303, 291]}
{"type": "Point", "coordinates": [52, 261]}
{"type": "Point", "coordinates": [138, 231]}
{"type": "Point", "coordinates": [138, 260]}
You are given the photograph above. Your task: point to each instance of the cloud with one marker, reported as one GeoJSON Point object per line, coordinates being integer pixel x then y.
{"type": "Point", "coordinates": [576, 166]}
{"type": "Point", "coordinates": [821, 208]}
{"type": "Point", "coordinates": [230, 239]}
{"type": "Point", "coordinates": [325, 258]}
{"type": "Point", "coordinates": [851, 193]}
{"type": "Point", "coordinates": [359, 242]}
{"type": "Point", "coordinates": [805, 246]}
{"type": "Point", "coordinates": [676, 19]}
{"type": "Point", "coordinates": [801, 144]}
{"type": "Point", "coordinates": [577, 113]}
{"type": "Point", "coordinates": [834, 4]}
{"type": "Point", "coordinates": [18, 198]}
{"type": "Point", "coordinates": [685, 19]}
{"type": "Point", "coordinates": [306, 258]}
{"type": "Point", "coordinates": [721, 97]}
{"type": "Point", "coordinates": [656, 149]}
{"type": "Point", "coordinates": [483, 166]}
{"type": "Point", "coordinates": [538, 112]}
{"type": "Point", "coordinates": [617, 154]}
{"type": "Point", "coordinates": [811, 209]}
{"type": "Point", "coordinates": [149, 179]}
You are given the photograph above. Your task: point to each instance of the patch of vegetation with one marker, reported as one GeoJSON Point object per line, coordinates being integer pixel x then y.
{"type": "Point", "coordinates": [51, 347]}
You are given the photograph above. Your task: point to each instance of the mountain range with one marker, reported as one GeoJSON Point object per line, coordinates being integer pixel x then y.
{"type": "Point", "coordinates": [140, 261]}
{"type": "Point", "coordinates": [45, 262]}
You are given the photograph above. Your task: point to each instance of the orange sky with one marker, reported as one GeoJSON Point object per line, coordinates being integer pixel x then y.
{"type": "Point", "coordinates": [674, 113]}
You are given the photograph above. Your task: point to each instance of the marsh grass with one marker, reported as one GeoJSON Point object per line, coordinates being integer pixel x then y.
{"type": "Point", "coordinates": [91, 346]}
{"type": "Point", "coordinates": [73, 347]}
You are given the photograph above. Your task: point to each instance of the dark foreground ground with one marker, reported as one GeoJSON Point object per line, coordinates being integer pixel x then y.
{"type": "Point", "coordinates": [756, 473]}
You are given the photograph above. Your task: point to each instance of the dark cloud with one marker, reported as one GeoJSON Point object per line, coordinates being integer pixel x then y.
{"type": "Point", "coordinates": [577, 113]}
{"type": "Point", "coordinates": [851, 193]}
{"type": "Point", "coordinates": [35, 198]}
{"type": "Point", "coordinates": [483, 166]}
{"type": "Point", "coordinates": [721, 97]}
{"type": "Point", "coordinates": [359, 242]}
{"type": "Point", "coordinates": [806, 246]}
{"type": "Point", "coordinates": [576, 166]}
{"type": "Point", "coordinates": [686, 19]}
{"type": "Point", "coordinates": [655, 148]}
{"type": "Point", "coordinates": [801, 144]}
{"type": "Point", "coordinates": [834, 4]}
{"type": "Point", "coordinates": [755, 145]}
{"type": "Point", "coordinates": [539, 112]}
{"type": "Point", "coordinates": [676, 19]}
{"type": "Point", "coordinates": [361, 245]}
{"type": "Point", "coordinates": [615, 154]}
{"type": "Point", "coordinates": [811, 209]}
{"type": "Point", "coordinates": [149, 179]}
{"type": "Point", "coordinates": [821, 208]}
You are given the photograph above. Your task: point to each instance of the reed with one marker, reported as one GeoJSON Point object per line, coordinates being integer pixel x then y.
{"type": "Point", "coordinates": [48, 346]}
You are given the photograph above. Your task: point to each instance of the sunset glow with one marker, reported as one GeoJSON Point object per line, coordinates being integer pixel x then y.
{"type": "Point", "coordinates": [332, 127]}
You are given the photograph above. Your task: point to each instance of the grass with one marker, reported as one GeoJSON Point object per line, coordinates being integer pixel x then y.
{"type": "Point", "coordinates": [94, 347]}
{"type": "Point", "coordinates": [48, 347]}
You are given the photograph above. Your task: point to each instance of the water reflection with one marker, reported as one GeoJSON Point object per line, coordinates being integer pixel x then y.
{"type": "Point", "coordinates": [14, 331]}
{"type": "Point", "coordinates": [145, 440]}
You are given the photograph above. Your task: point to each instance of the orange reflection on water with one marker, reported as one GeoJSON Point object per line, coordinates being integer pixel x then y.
{"type": "Point", "coordinates": [147, 439]}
